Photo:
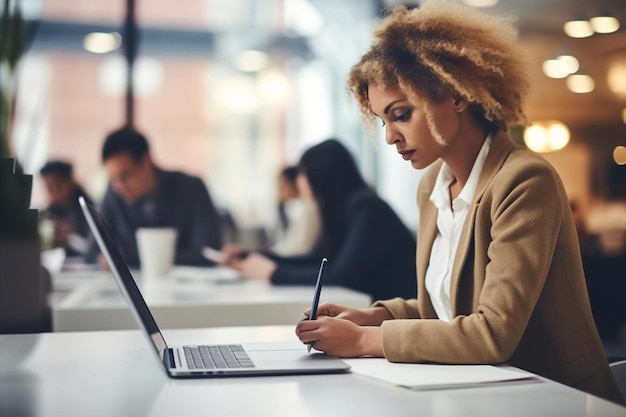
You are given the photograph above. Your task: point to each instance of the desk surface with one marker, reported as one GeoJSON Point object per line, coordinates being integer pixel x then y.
{"type": "Point", "coordinates": [114, 373]}
{"type": "Point", "coordinates": [189, 297]}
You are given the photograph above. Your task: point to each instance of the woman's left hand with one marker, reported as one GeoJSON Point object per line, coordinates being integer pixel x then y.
{"type": "Point", "coordinates": [255, 266]}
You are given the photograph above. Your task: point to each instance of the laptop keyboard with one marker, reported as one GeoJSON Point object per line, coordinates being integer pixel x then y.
{"type": "Point", "coordinates": [217, 357]}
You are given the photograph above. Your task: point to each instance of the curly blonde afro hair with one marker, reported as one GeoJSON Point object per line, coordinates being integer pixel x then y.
{"type": "Point", "coordinates": [443, 49]}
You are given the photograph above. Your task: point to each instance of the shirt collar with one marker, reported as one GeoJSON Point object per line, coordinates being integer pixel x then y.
{"type": "Point", "coordinates": [441, 191]}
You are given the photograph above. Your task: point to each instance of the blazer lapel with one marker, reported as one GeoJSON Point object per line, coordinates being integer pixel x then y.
{"type": "Point", "coordinates": [501, 147]}
{"type": "Point", "coordinates": [427, 233]}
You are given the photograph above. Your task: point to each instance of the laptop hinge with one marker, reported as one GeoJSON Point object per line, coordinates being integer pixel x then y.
{"type": "Point", "coordinates": [168, 358]}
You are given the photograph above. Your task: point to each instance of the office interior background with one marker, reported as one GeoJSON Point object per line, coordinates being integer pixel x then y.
{"type": "Point", "coordinates": [233, 90]}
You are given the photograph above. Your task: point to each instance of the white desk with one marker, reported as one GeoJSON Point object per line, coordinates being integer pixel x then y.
{"type": "Point", "coordinates": [190, 297]}
{"type": "Point", "coordinates": [114, 373]}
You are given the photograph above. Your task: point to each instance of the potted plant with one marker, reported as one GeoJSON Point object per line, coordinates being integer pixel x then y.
{"type": "Point", "coordinates": [23, 283]}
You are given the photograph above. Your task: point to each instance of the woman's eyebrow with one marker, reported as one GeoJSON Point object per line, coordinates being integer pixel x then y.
{"type": "Point", "coordinates": [391, 104]}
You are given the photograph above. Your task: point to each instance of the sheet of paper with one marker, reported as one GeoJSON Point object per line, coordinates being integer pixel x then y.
{"type": "Point", "coordinates": [434, 376]}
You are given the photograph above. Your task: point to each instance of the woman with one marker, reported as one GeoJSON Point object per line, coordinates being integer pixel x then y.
{"type": "Point", "coordinates": [368, 247]}
{"type": "Point", "coordinates": [499, 270]}
{"type": "Point", "coordinates": [297, 227]}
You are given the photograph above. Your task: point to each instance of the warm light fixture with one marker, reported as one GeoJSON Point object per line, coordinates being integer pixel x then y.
{"type": "Point", "coordinates": [580, 83]}
{"type": "Point", "coordinates": [624, 115]}
{"type": "Point", "coordinates": [554, 68]}
{"type": "Point", "coordinates": [619, 155]}
{"type": "Point", "coordinates": [616, 75]}
{"type": "Point", "coordinates": [546, 136]}
{"type": "Point", "coordinates": [561, 66]}
{"type": "Point", "coordinates": [604, 24]}
{"type": "Point", "coordinates": [101, 42]}
{"type": "Point", "coordinates": [578, 28]}
{"type": "Point", "coordinates": [570, 62]}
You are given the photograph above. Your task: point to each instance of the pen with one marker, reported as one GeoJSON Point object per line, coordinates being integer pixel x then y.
{"type": "Point", "coordinates": [316, 295]}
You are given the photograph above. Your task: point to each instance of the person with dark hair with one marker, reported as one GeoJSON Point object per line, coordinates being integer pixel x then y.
{"type": "Point", "coordinates": [70, 230]}
{"type": "Point", "coordinates": [297, 227]}
{"type": "Point", "coordinates": [287, 190]}
{"type": "Point", "coordinates": [368, 247]}
{"type": "Point", "coordinates": [499, 271]}
{"type": "Point", "coordinates": [140, 194]}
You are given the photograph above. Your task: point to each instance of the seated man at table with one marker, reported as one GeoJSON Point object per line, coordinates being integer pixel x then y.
{"type": "Point", "coordinates": [140, 194]}
{"type": "Point", "coordinates": [69, 227]}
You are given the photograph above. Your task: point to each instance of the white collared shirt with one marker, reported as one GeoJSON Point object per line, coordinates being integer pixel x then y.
{"type": "Point", "coordinates": [450, 220]}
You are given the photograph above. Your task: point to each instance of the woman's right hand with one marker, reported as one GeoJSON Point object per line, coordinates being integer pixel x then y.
{"type": "Point", "coordinates": [373, 316]}
{"type": "Point", "coordinates": [231, 253]}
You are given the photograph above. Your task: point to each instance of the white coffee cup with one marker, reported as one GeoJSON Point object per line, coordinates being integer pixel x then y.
{"type": "Point", "coordinates": [157, 247]}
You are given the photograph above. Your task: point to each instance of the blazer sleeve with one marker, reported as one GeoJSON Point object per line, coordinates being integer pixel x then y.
{"type": "Point", "coordinates": [521, 230]}
{"type": "Point", "coordinates": [203, 224]}
{"type": "Point", "coordinates": [363, 246]}
{"type": "Point", "coordinates": [399, 308]}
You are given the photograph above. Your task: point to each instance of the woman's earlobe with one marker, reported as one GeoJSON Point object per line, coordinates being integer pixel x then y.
{"type": "Point", "coordinates": [460, 104]}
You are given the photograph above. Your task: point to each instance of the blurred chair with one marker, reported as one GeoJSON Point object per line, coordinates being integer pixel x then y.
{"type": "Point", "coordinates": [619, 371]}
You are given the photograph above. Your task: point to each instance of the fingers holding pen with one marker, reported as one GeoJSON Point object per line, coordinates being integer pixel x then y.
{"type": "Point", "coordinates": [331, 335]}
{"type": "Point", "coordinates": [326, 309]}
{"type": "Point", "coordinates": [305, 330]}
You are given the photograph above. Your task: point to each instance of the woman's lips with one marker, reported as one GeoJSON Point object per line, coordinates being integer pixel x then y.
{"type": "Point", "coordinates": [406, 155]}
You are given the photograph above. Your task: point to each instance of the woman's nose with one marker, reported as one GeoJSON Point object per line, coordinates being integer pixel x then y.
{"type": "Point", "coordinates": [391, 136]}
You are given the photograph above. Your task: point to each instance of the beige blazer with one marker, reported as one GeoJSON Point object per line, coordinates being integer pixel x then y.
{"type": "Point", "coordinates": [518, 291]}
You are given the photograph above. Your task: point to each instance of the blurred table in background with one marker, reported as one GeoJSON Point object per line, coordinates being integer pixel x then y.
{"type": "Point", "coordinates": [189, 297]}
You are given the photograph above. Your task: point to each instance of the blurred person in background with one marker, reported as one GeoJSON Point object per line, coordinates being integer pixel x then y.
{"type": "Point", "coordinates": [67, 225]}
{"type": "Point", "coordinates": [140, 194]}
{"type": "Point", "coordinates": [368, 247]}
{"type": "Point", "coordinates": [296, 229]}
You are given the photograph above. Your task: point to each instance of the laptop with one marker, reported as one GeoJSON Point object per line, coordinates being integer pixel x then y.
{"type": "Point", "coordinates": [205, 361]}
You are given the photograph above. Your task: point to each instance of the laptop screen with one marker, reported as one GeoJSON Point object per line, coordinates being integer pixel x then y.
{"type": "Point", "coordinates": [124, 279]}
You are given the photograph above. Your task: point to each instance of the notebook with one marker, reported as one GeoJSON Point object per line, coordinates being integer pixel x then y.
{"type": "Point", "coordinates": [202, 361]}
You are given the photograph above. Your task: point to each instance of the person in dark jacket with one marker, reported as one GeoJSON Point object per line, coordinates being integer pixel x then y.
{"type": "Point", "coordinates": [369, 249]}
{"type": "Point", "coordinates": [140, 194]}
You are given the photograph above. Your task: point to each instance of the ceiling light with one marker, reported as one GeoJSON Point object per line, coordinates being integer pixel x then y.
{"type": "Point", "coordinates": [616, 75]}
{"type": "Point", "coordinates": [536, 138]}
{"type": "Point", "coordinates": [101, 43]}
{"type": "Point", "coordinates": [555, 68]}
{"type": "Point", "coordinates": [604, 24]}
{"type": "Point", "coordinates": [558, 136]}
{"type": "Point", "coordinates": [570, 62]}
{"type": "Point", "coordinates": [619, 155]}
{"type": "Point", "coordinates": [546, 136]}
{"type": "Point", "coordinates": [561, 66]}
{"type": "Point", "coordinates": [580, 83]}
{"type": "Point", "coordinates": [578, 28]}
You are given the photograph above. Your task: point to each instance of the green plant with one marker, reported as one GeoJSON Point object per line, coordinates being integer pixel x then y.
{"type": "Point", "coordinates": [15, 187]}
{"type": "Point", "coordinates": [15, 36]}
